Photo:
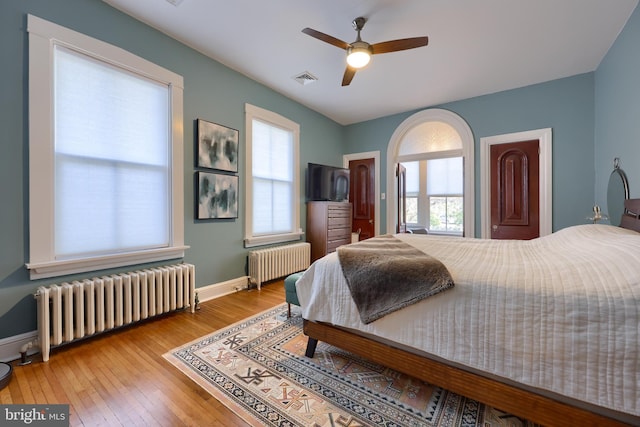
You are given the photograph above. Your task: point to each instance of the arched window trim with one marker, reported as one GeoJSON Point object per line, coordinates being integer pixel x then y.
{"type": "Point", "coordinates": [458, 123]}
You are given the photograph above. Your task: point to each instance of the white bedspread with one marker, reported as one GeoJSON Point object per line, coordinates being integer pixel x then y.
{"type": "Point", "coordinates": [560, 313]}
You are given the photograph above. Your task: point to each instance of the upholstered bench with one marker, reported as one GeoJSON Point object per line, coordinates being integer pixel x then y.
{"type": "Point", "coordinates": [290, 294]}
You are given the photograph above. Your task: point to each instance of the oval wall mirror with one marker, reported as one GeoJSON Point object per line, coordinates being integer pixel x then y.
{"type": "Point", "coordinates": [617, 193]}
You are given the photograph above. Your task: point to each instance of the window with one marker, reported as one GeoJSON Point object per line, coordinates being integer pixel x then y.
{"type": "Point", "coordinates": [434, 197]}
{"type": "Point", "coordinates": [436, 148]}
{"type": "Point", "coordinates": [434, 177]}
{"type": "Point", "coordinates": [272, 176]}
{"type": "Point", "coordinates": [444, 195]}
{"type": "Point", "coordinates": [105, 153]}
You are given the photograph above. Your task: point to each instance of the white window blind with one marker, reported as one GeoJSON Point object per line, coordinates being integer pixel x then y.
{"type": "Point", "coordinates": [412, 178]}
{"type": "Point", "coordinates": [272, 179]}
{"type": "Point", "coordinates": [445, 176]}
{"type": "Point", "coordinates": [111, 158]}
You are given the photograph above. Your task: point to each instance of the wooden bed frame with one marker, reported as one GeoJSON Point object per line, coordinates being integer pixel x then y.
{"type": "Point", "coordinates": [631, 215]}
{"type": "Point", "coordinates": [535, 405]}
{"type": "Point", "coordinates": [514, 399]}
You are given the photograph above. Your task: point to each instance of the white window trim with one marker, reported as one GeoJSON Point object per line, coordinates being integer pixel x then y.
{"type": "Point", "coordinates": [252, 112]}
{"type": "Point", "coordinates": [420, 196]}
{"type": "Point", "coordinates": [463, 129]}
{"type": "Point", "coordinates": [43, 37]}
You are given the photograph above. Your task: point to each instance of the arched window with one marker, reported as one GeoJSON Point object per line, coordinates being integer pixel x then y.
{"type": "Point", "coordinates": [436, 148]}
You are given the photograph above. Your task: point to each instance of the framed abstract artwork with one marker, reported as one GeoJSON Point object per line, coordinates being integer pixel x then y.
{"type": "Point", "coordinates": [217, 146]}
{"type": "Point", "coordinates": [217, 196]}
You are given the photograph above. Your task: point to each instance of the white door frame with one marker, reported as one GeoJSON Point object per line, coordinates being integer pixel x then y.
{"type": "Point", "coordinates": [375, 155]}
{"type": "Point", "coordinates": [545, 177]}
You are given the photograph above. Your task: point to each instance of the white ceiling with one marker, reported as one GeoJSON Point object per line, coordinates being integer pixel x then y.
{"type": "Point", "coordinates": [475, 47]}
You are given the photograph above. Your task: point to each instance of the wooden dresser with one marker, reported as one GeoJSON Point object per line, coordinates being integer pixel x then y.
{"type": "Point", "coordinates": [328, 226]}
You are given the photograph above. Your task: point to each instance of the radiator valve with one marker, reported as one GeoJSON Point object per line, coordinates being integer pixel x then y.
{"type": "Point", "coordinates": [23, 352]}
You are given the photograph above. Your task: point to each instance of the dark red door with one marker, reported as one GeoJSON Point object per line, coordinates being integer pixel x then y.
{"type": "Point", "coordinates": [515, 192]}
{"type": "Point", "coordinates": [362, 196]}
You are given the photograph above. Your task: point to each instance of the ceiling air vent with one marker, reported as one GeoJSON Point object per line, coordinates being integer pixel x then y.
{"type": "Point", "coordinates": [305, 78]}
{"type": "Point", "coordinates": [175, 2]}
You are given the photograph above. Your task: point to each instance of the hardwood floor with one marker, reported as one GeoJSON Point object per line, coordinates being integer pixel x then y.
{"type": "Point", "coordinates": [121, 378]}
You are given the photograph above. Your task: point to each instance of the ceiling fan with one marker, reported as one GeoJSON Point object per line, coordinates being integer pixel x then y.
{"type": "Point", "coordinates": [359, 52]}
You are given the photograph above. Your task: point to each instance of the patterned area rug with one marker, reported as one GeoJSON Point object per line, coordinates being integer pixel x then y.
{"type": "Point", "coordinates": [257, 368]}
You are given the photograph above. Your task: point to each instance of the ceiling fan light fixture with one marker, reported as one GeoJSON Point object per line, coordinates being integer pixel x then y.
{"type": "Point", "coordinates": [359, 52]}
{"type": "Point", "coordinates": [358, 56]}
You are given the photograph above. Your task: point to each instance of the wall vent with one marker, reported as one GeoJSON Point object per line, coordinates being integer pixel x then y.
{"type": "Point", "coordinates": [305, 78]}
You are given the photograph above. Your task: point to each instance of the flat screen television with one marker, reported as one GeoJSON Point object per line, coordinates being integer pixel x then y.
{"type": "Point", "coordinates": [327, 183]}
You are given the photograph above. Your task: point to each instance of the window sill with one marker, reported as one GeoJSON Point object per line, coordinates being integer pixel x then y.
{"type": "Point", "coordinates": [41, 270]}
{"type": "Point", "coordinates": [251, 242]}
{"type": "Point", "coordinates": [446, 233]}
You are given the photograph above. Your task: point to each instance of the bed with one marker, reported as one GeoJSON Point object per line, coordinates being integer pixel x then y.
{"type": "Point", "coordinates": [546, 329]}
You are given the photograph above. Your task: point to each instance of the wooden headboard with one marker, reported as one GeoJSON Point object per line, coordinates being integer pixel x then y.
{"type": "Point", "coordinates": [631, 216]}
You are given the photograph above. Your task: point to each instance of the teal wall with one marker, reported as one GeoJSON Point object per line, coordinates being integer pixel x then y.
{"type": "Point", "coordinates": [617, 124]}
{"type": "Point", "coordinates": [565, 105]}
{"type": "Point", "coordinates": [594, 117]}
{"type": "Point", "coordinates": [212, 92]}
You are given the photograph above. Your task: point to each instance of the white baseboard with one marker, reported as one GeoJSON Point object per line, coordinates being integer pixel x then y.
{"type": "Point", "coordinates": [10, 347]}
{"type": "Point", "coordinates": [209, 292]}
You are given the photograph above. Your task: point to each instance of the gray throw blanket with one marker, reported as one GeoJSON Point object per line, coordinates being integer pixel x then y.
{"type": "Point", "coordinates": [385, 274]}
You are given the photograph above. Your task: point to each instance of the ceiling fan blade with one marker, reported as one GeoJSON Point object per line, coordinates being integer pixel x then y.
{"type": "Point", "coordinates": [326, 38]}
{"type": "Point", "coordinates": [348, 76]}
{"type": "Point", "coordinates": [400, 44]}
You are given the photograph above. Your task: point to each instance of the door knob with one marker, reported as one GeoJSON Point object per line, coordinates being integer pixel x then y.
{"type": "Point", "coordinates": [494, 227]}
